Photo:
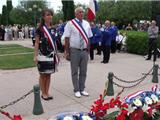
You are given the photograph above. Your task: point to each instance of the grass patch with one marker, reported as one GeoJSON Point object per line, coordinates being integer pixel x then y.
{"type": "Point", "coordinates": [12, 49]}
{"type": "Point", "coordinates": [15, 61]}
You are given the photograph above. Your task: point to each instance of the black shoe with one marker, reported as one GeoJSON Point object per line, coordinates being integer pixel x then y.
{"type": "Point", "coordinates": [148, 58]}
{"type": "Point", "coordinates": [154, 60]}
{"type": "Point", "coordinates": [102, 61]}
{"type": "Point", "coordinates": [48, 98]}
{"type": "Point", "coordinates": [98, 53]}
{"type": "Point", "coordinates": [105, 62]}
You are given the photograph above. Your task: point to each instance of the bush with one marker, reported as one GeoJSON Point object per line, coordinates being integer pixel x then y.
{"type": "Point", "coordinates": [137, 42]}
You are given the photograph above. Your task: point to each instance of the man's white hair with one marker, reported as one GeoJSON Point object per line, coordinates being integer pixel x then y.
{"type": "Point", "coordinates": [78, 9]}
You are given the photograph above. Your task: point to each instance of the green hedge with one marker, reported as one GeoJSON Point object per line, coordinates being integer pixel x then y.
{"type": "Point", "coordinates": [137, 42]}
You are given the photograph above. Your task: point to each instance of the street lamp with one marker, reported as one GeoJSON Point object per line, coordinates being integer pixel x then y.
{"type": "Point", "coordinates": [30, 9]}
{"type": "Point", "coordinates": [35, 9]}
{"type": "Point", "coordinates": [34, 6]}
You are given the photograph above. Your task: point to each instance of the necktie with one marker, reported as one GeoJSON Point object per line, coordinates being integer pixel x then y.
{"type": "Point", "coordinates": [81, 42]}
{"type": "Point", "coordinates": [81, 39]}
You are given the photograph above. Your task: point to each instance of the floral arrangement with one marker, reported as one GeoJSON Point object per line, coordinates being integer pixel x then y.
{"type": "Point", "coordinates": [142, 105]}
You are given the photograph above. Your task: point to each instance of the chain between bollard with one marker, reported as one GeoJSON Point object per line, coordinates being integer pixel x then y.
{"type": "Point", "coordinates": [140, 80]}
{"type": "Point", "coordinates": [15, 101]}
{"type": "Point", "coordinates": [120, 92]}
{"type": "Point", "coordinates": [134, 81]}
{"type": "Point", "coordinates": [127, 86]}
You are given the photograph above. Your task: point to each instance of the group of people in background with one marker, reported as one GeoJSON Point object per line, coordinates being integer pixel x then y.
{"type": "Point", "coordinates": [108, 30]}
{"type": "Point", "coordinates": [21, 32]}
{"type": "Point", "coordinates": [16, 32]}
{"type": "Point", "coordinates": [106, 38]}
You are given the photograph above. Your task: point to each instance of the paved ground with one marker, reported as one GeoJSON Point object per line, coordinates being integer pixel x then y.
{"type": "Point", "coordinates": [15, 83]}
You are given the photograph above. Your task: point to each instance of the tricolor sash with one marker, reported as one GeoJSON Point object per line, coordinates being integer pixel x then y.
{"type": "Point", "coordinates": [81, 30]}
{"type": "Point", "coordinates": [51, 41]}
{"type": "Point", "coordinates": [129, 99]}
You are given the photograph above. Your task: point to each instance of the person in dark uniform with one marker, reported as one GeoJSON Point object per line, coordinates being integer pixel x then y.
{"type": "Point", "coordinates": [106, 42]}
{"type": "Point", "coordinates": [45, 52]}
{"type": "Point", "coordinates": [114, 34]}
{"type": "Point", "coordinates": [60, 31]}
{"type": "Point", "coordinates": [152, 43]}
{"type": "Point", "coordinates": [95, 39]}
{"type": "Point", "coordinates": [33, 35]}
{"type": "Point", "coordinates": [2, 33]}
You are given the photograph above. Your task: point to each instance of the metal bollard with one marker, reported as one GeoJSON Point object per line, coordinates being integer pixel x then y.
{"type": "Point", "coordinates": [37, 109]}
{"type": "Point", "coordinates": [155, 74]}
{"type": "Point", "coordinates": [110, 90]}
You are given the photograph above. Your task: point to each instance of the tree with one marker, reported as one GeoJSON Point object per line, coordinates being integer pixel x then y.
{"type": "Point", "coordinates": [57, 16]}
{"type": "Point", "coordinates": [27, 12]}
{"type": "Point", "coordinates": [9, 5]}
{"type": "Point", "coordinates": [26, 4]}
{"type": "Point", "coordinates": [68, 9]}
{"type": "Point", "coordinates": [123, 12]}
{"type": "Point", "coordinates": [9, 8]}
{"type": "Point", "coordinates": [4, 15]}
{"type": "Point", "coordinates": [0, 19]}
{"type": "Point", "coordinates": [64, 9]}
{"type": "Point", "coordinates": [17, 16]}
{"type": "Point", "coordinates": [155, 9]}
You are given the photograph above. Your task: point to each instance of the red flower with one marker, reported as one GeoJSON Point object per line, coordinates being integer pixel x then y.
{"type": "Point", "coordinates": [124, 105]}
{"type": "Point", "coordinates": [111, 103]}
{"type": "Point", "coordinates": [5, 113]}
{"type": "Point", "coordinates": [122, 116]}
{"type": "Point", "coordinates": [136, 115]}
{"type": "Point", "coordinates": [150, 112]}
{"type": "Point", "coordinates": [17, 117]}
{"type": "Point", "coordinates": [105, 106]}
{"type": "Point", "coordinates": [99, 108]}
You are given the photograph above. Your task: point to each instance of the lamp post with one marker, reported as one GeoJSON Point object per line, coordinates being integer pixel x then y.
{"type": "Point", "coordinates": [35, 9]}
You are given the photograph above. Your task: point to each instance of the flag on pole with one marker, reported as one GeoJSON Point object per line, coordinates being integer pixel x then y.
{"type": "Point", "coordinates": [93, 7]}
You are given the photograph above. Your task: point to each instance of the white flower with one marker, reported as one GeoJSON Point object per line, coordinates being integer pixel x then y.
{"type": "Point", "coordinates": [154, 98]}
{"type": "Point", "coordinates": [86, 118]}
{"type": "Point", "coordinates": [137, 102]}
{"type": "Point", "coordinates": [130, 109]}
{"type": "Point", "coordinates": [148, 100]}
{"type": "Point", "coordinates": [68, 118]}
{"type": "Point", "coordinates": [145, 107]}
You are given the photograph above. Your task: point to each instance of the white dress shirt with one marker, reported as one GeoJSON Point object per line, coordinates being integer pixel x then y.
{"type": "Point", "coordinates": [73, 34]}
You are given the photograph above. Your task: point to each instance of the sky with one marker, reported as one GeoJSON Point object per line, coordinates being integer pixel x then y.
{"type": "Point", "coordinates": [55, 4]}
